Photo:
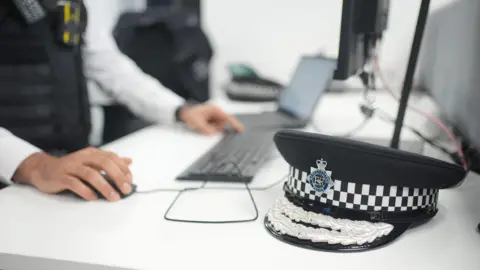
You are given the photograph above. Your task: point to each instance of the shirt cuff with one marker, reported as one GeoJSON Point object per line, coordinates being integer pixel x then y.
{"type": "Point", "coordinates": [179, 108]}
{"type": "Point", "coordinates": [177, 113]}
{"type": "Point", "coordinates": [164, 113]}
{"type": "Point", "coordinates": [16, 151]}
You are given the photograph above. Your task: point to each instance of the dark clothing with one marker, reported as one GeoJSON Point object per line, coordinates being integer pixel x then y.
{"type": "Point", "coordinates": [119, 121]}
{"type": "Point", "coordinates": [43, 95]}
{"type": "Point", "coordinates": [159, 2]}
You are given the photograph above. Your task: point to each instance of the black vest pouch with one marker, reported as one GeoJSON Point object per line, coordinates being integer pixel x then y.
{"type": "Point", "coordinates": [72, 107]}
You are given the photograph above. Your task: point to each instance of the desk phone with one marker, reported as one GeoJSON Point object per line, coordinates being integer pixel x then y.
{"type": "Point", "coordinates": [247, 85]}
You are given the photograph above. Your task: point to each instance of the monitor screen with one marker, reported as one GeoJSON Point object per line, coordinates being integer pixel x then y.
{"type": "Point", "coordinates": [312, 77]}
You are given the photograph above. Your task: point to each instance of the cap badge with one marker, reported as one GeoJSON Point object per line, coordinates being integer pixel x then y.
{"type": "Point", "coordinates": [319, 178]}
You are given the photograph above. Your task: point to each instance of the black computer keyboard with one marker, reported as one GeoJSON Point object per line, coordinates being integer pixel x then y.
{"type": "Point", "coordinates": [236, 158]}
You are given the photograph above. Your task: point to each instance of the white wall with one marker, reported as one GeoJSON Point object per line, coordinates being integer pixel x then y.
{"type": "Point", "coordinates": [449, 64]}
{"type": "Point", "coordinates": [272, 34]}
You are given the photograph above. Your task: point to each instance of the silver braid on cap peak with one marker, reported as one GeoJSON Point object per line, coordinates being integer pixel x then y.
{"type": "Point", "coordinates": [283, 216]}
{"type": "Point", "coordinates": [362, 197]}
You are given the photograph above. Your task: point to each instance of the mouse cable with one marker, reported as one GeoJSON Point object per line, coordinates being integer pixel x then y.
{"type": "Point", "coordinates": [249, 190]}
{"type": "Point", "coordinates": [202, 187]}
{"type": "Point", "coordinates": [160, 190]}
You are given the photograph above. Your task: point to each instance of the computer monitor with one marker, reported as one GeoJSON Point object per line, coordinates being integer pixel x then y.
{"type": "Point", "coordinates": [363, 21]}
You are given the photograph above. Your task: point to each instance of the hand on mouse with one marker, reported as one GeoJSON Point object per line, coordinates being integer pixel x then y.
{"type": "Point", "coordinates": [208, 119]}
{"type": "Point", "coordinates": [51, 174]}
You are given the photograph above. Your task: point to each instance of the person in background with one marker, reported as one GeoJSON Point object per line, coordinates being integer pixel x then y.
{"type": "Point", "coordinates": [46, 64]}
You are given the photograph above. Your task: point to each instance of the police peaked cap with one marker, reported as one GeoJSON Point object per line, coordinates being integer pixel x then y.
{"type": "Point", "coordinates": [346, 195]}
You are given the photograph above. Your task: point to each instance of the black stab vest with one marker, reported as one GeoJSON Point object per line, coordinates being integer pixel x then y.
{"type": "Point", "coordinates": [43, 94]}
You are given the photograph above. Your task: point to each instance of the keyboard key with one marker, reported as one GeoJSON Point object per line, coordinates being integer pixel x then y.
{"type": "Point", "coordinates": [236, 158]}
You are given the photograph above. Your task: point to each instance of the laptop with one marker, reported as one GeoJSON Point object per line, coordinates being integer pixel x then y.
{"type": "Point", "coordinates": [297, 102]}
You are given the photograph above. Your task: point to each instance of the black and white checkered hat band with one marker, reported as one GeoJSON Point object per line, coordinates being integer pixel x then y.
{"type": "Point", "coordinates": [362, 196]}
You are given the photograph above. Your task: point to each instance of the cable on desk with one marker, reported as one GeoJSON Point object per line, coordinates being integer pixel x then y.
{"type": "Point", "coordinates": [350, 133]}
{"type": "Point", "coordinates": [463, 159]}
{"type": "Point", "coordinates": [202, 187]}
{"type": "Point", "coordinates": [369, 110]}
{"type": "Point", "coordinates": [368, 81]}
{"type": "Point", "coordinates": [388, 118]}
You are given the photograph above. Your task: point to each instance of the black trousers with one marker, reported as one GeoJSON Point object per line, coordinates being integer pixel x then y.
{"type": "Point", "coordinates": [119, 122]}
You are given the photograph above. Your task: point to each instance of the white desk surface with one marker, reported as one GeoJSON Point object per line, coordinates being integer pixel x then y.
{"type": "Point", "coordinates": [133, 234]}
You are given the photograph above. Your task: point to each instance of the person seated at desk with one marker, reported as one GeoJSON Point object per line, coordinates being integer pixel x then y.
{"type": "Point", "coordinates": [45, 66]}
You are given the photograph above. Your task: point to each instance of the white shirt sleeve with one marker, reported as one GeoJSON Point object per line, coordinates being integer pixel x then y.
{"type": "Point", "coordinates": [124, 81]}
{"type": "Point", "coordinates": [14, 151]}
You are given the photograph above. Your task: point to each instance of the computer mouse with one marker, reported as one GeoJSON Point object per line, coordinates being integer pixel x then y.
{"type": "Point", "coordinates": [112, 184]}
